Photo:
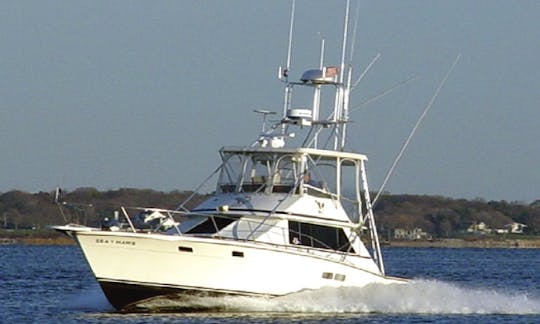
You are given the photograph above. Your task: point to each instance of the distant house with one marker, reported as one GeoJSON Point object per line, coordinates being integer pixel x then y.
{"type": "Point", "coordinates": [482, 228]}
{"type": "Point", "coordinates": [535, 203]}
{"type": "Point", "coordinates": [479, 228]}
{"type": "Point", "coordinates": [414, 234]}
{"type": "Point", "coordinates": [516, 228]}
{"type": "Point", "coordinates": [400, 233]}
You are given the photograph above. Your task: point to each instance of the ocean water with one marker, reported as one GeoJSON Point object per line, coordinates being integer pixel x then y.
{"type": "Point", "coordinates": [53, 284]}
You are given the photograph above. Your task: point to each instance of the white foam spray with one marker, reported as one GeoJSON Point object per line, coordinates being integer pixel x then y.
{"type": "Point", "coordinates": [418, 297]}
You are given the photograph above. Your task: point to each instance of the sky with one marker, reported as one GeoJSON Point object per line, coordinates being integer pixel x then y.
{"type": "Point", "coordinates": [142, 94]}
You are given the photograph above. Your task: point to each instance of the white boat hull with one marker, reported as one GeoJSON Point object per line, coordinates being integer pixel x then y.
{"type": "Point", "coordinates": [131, 267]}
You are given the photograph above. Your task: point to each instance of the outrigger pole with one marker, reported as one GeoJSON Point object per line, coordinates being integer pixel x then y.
{"type": "Point", "coordinates": [413, 131]}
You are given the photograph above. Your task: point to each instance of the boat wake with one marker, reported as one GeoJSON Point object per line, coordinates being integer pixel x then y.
{"type": "Point", "coordinates": [418, 297]}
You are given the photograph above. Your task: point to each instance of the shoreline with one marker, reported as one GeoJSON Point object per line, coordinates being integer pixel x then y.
{"type": "Point", "coordinates": [36, 241]}
{"type": "Point", "coordinates": [436, 243]}
{"type": "Point", "coordinates": [463, 243]}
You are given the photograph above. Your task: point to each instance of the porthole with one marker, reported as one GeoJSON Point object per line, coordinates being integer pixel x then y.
{"type": "Point", "coordinates": [238, 254]}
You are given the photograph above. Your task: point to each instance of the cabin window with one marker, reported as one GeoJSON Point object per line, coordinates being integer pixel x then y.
{"type": "Point", "coordinates": [327, 275]}
{"type": "Point", "coordinates": [211, 225]}
{"type": "Point", "coordinates": [229, 173]}
{"type": "Point", "coordinates": [318, 236]}
{"type": "Point", "coordinates": [321, 174]}
{"type": "Point", "coordinates": [258, 172]}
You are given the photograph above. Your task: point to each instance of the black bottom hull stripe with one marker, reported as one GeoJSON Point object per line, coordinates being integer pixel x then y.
{"type": "Point", "coordinates": [125, 296]}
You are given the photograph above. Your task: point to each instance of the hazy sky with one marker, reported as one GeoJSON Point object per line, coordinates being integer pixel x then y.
{"type": "Point", "coordinates": [113, 94]}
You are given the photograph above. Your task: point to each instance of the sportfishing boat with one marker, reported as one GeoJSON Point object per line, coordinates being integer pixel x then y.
{"type": "Point", "coordinates": [290, 212]}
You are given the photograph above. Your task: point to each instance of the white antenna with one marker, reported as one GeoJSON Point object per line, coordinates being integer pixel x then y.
{"type": "Point", "coordinates": [353, 41]}
{"type": "Point", "coordinates": [348, 88]}
{"type": "Point", "coordinates": [317, 90]}
{"type": "Point", "coordinates": [284, 73]}
{"type": "Point", "coordinates": [341, 93]}
{"type": "Point", "coordinates": [289, 49]}
{"type": "Point", "coordinates": [321, 62]}
{"type": "Point", "coordinates": [411, 134]}
{"type": "Point", "coordinates": [344, 45]}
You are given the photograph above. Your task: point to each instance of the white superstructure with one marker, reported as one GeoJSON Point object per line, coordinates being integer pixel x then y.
{"type": "Point", "coordinates": [283, 218]}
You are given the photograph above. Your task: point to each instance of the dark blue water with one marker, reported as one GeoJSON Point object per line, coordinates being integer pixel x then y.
{"type": "Point", "coordinates": [53, 284]}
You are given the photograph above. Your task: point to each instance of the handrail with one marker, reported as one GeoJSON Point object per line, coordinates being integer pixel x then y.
{"type": "Point", "coordinates": [126, 215]}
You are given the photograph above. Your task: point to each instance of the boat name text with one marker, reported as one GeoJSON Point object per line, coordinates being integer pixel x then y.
{"type": "Point", "coordinates": [120, 242]}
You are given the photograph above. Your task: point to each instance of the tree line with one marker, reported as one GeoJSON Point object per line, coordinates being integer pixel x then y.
{"type": "Point", "coordinates": [439, 216]}
{"type": "Point", "coordinates": [88, 206]}
{"type": "Point", "coordinates": [444, 217]}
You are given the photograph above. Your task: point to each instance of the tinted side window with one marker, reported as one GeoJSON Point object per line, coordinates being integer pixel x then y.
{"type": "Point", "coordinates": [211, 225]}
{"type": "Point", "coordinates": [318, 236]}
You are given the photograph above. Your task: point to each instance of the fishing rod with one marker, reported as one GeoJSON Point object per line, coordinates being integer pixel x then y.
{"type": "Point", "coordinates": [383, 93]}
{"type": "Point", "coordinates": [411, 134]}
{"type": "Point", "coordinates": [365, 71]}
